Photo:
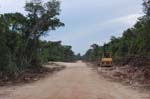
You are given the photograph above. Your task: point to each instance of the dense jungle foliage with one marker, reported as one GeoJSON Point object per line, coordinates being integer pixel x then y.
{"type": "Point", "coordinates": [54, 51]}
{"type": "Point", "coordinates": [20, 44]}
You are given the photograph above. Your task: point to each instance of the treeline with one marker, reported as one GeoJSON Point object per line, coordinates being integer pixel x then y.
{"type": "Point", "coordinates": [134, 42]}
{"type": "Point", "coordinates": [20, 44]}
{"type": "Point", "coordinates": [55, 51]}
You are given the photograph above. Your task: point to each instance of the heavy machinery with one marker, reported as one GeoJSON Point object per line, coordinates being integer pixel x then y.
{"type": "Point", "coordinates": [106, 61]}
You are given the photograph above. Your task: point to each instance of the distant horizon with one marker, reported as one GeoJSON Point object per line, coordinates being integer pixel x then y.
{"type": "Point", "coordinates": [93, 22]}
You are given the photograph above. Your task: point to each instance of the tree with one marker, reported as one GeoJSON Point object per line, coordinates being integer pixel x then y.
{"type": "Point", "coordinates": [41, 18]}
{"type": "Point", "coordinates": [135, 41]}
{"type": "Point", "coordinates": [20, 35]}
{"type": "Point", "coordinates": [55, 51]}
{"type": "Point", "coordinates": [146, 5]}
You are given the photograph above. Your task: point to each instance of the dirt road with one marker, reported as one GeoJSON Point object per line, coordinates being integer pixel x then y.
{"type": "Point", "coordinates": [77, 81]}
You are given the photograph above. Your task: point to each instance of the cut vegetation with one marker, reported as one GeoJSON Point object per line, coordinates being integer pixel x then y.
{"type": "Point", "coordinates": [30, 75]}
{"type": "Point", "coordinates": [130, 52]}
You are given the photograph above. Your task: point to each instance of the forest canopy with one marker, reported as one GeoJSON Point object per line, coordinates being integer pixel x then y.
{"type": "Point", "coordinates": [20, 44]}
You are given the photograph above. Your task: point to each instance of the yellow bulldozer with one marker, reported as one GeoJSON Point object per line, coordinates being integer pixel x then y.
{"type": "Point", "coordinates": [106, 61]}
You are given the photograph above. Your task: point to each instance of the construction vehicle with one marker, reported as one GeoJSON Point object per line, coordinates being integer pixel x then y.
{"type": "Point", "coordinates": [106, 61]}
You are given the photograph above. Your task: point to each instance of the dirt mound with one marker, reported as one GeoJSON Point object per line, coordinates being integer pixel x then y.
{"type": "Point", "coordinates": [130, 70]}
{"type": "Point", "coordinates": [30, 75]}
{"type": "Point", "coordinates": [135, 76]}
{"type": "Point", "coordinates": [134, 69]}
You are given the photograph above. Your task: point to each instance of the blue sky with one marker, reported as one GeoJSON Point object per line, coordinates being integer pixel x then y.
{"type": "Point", "coordinates": [87, 21]}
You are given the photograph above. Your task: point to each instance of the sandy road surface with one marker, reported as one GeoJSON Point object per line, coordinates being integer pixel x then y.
{"type": "Point", "coordinates": [77, 81]}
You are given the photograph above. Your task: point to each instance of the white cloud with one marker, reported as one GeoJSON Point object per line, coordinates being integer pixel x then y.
{"type": "Point", "coordinates": [86, 30]}
{"type": "Point", "coordinates": [129, 19]}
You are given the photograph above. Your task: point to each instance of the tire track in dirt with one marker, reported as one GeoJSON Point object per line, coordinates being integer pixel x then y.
{"type": "Point", "coordinates": [77, 81]}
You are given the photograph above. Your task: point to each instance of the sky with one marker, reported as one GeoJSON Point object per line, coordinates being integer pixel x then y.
{"type": "Point", "coordinates": [87, 21]}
